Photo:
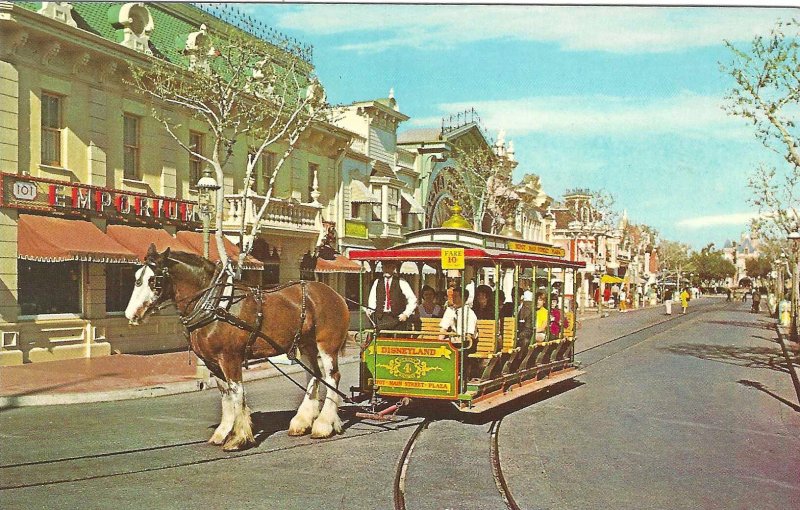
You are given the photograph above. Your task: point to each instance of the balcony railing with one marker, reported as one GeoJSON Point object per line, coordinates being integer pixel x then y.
{"type": "Point", "coordinates": [280, 214]}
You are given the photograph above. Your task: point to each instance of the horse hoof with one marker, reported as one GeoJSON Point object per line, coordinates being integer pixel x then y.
{"type": "Point", "coordinates": [299, 432]}
{"type": "Point", "coordinates": [321, 431]}
{"type": "Point", "coordinates": [235, 446]}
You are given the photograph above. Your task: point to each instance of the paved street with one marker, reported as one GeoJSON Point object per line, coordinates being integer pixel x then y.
{"type": "Point", "coordinates": [692, 411]}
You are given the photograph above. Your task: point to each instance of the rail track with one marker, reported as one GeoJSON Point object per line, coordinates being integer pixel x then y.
{"type": "Point", "coordinates": [401, 472]}
{"type": "Point", "coordinates": [666, 323]}
{"type": "Point", "coordinates": [148, 459]}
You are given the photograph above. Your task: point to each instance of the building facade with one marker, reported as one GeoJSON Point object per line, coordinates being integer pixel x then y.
{"type": "Point", "coordinates": [89, 178]}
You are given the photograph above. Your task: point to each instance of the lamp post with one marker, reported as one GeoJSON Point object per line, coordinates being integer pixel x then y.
{"type": "Point", "coordinates": [794, 237]}
{"type": "Point", "coordinates": [206, 187]}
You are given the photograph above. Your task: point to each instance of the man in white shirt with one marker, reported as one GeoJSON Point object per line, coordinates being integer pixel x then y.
{"type": "Point", "coordinates": [391, 301]}
{"type": "Point", "coordinates": [460, 319]}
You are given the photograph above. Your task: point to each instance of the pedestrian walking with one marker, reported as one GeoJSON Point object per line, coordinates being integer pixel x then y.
{"type": "Point", "coordinates": [756, 308]}
{"type": "Point", "coordinates": [685, 297]}
{"type": "Point", "coordinates": [668, 301]}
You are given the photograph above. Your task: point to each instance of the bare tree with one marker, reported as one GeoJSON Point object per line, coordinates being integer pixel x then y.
{"type": "Point", "coordinates": [674, 256]}
{"type": "Point", "coordinates": [595, 214]}
{"type": "Point", "coordinates": [481, 182]}
{"type": "Point", "coordinates": [766, 94]}
{"type": "Point", "coordinates": [244, 90]}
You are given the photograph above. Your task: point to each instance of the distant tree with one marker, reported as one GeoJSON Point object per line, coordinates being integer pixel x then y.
{"type": "Point", "coordinates": [481, 182]}
{"type": "Point", "coordinates": [710, 266]}
{"type": "Point", "coordinates": [244, 91]}
{"type": "Point", "coordinates": [673, 257]}
{"type": "Point", "coordinates": [758, 267]}
{"type": "Point", "coordinates": [766, 94]}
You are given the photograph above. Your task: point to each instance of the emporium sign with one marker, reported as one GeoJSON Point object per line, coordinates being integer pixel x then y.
{"type": "Point", "coordinates": [37, 194]}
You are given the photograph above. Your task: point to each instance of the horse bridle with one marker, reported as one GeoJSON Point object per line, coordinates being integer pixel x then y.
{"type": "Point", "coordinates": [157, 284]}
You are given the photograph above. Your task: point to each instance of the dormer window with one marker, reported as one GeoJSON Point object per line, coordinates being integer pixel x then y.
{"type": "Point", "coordinates": [198, 48]}
{"type": "Point", "coordinates": [59, 11]}
{"type": "Point", "coordinates": [134, 25]}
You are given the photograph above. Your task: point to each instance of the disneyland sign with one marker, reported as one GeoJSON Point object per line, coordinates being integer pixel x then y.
{"type": "Point", "coordinates": [37, 194]}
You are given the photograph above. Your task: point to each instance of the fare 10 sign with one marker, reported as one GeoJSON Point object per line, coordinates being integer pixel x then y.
{"type": "Point", "coordinates": [452, 258]}
{"type": "Point", "coordinates": [31, 193]}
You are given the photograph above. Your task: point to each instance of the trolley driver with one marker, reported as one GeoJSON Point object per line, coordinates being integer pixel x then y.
{"type": "Point", "coordinates": [391, 300]}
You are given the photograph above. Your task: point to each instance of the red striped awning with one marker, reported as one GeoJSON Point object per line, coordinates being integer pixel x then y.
{"type": "Point", "coordinates": [139, 239]}
{"type": "Point", "coordinates": [340, 264]}
{"type": "Point", "coordinates": [194, 240]}
{"type": "Point", "coordinates": [50, 239]}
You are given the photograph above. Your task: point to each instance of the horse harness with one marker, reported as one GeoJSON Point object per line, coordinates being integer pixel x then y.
{"type": "Point", "coordinates": [211, 305]}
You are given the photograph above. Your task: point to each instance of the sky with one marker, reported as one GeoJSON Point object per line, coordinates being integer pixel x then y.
{"type": "Point", "coordinates": [625, 99]}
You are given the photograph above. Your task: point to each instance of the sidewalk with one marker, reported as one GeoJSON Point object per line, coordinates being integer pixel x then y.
{"type": "Point", "coordinates": [119, 377]}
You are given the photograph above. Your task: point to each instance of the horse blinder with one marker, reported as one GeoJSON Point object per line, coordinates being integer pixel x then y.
{"type": "Point", "coordinates": [158, 281]}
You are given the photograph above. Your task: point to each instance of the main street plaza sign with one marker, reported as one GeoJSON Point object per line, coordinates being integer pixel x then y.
{"type": "Point", "coordinates": [37, 194]}
{"type": "Point", "coordinates": [536, 249]}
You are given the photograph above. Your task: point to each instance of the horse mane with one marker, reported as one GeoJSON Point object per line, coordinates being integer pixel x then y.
{"type": "Point", "coordinates": [192, 260]}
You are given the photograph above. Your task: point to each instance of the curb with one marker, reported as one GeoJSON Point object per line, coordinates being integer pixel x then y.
{"type": "Point", "coordinates": [157, 390]}
{"type": "Point", "coordinates": [783, 332]}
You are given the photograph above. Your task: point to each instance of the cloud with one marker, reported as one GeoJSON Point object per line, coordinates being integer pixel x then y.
{"type": "Point", "coordinates": [571, 28]}
{"type": "Point", "coordinates": [699, 222]}
{"type": "Point", "coordinates": [685, 114]}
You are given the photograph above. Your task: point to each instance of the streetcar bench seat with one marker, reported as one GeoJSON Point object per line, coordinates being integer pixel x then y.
{"type": "Point", "coordinates": [430, 324]}
{"type": "Point", "coordinates": [509, 334]}
{"type": "Point", "coordinates": [487, 335]}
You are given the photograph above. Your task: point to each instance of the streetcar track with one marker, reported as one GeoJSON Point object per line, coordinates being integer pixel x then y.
{"type": "Point", "coordinates": [711, 307]}
{"type": "Point", "coordinates": [126, 452]}
{"type": "Point", "coordinates": [497, 470]}
{"type": "Point", "coordinates": [399, 490]}
{"type": "Point", "coordinates": [100, 455]}
{"type": "Point", "coordinates": [198, 462]}
{"type": "Point", "coordinates": [399, 482]}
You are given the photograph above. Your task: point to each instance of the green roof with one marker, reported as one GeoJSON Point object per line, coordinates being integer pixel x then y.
{"type": "Point", "coordinates": [173, 23]}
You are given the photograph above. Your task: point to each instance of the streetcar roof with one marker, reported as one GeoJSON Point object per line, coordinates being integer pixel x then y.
{"type": "Point", "coordinates": [426, 245]}
{"type": "Point", "coordinates": [434, 255]}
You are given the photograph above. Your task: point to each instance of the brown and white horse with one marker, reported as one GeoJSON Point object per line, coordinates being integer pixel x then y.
{"type": "Point", "coordinates": [182, 277]}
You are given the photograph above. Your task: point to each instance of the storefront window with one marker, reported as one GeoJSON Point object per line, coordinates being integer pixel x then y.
{"type": "Point", "coordinates": [49, 288]}
{"type": "Point", "coordinates": [120, 279]}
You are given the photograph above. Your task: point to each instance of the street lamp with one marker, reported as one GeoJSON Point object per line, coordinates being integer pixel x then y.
{"type": "Point", "coordinates": [206, 187]}
{"type": "Point", "coordinates": [794, 237]}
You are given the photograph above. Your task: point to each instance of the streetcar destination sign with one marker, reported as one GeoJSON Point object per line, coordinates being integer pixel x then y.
{"type": "Point", "coordinates": [536, 249]}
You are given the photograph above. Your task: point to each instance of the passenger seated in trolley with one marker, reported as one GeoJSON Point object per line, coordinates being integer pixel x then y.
{"type": "Point", "coordinates": [483, 306]}
{"type": "Point", "coordinates": [525, 319]}
{"type": "Point", "coordinates": [459, 319]}
{"type": "Point", "coordinates": [541, 318]}
{"type": "Point", "coordinates": [391, 301]}
{"type": "Point", "coordinates": [556, 323]}
{"type": "Point", "coordinates": [429, 308]}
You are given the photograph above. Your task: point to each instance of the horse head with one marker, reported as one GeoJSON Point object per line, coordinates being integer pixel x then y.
{"type": "Point", "coordinates": [153, 287]}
